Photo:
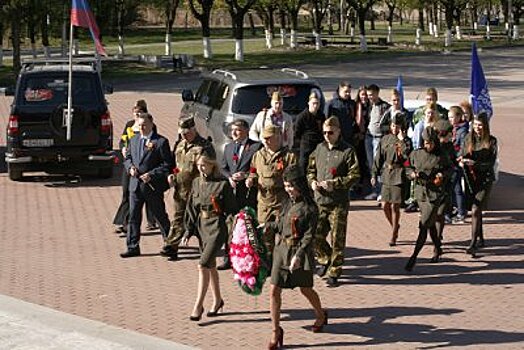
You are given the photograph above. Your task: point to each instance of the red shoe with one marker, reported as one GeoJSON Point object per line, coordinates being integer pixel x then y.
{"type": "Point", "coordinates": [280, 341]}
{"type": "Point", "coordinates": [318, 329]}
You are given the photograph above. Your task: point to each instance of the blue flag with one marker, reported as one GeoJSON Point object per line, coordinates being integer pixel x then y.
{"type": "Point", "coordinates": [480, 100]}
{"type": "Point", "coordinates": [400, 88]}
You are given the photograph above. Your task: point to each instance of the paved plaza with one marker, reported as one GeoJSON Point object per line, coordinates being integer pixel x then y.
{"type": "Point", "coordinates": [58, 251]}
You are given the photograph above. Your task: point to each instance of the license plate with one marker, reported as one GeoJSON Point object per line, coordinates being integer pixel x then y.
{"type": "Point", "coordinates": [38, 142]}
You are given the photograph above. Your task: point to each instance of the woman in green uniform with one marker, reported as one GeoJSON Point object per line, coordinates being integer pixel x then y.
{"type": "Point", "coordinates": [430, 170]}
{"type": "Point", "coordinates": [478, 158]}
{"type": "Point", "coordinates": [393, 150]}
{"type": "Point", "coordinates": [293, 257]}
{"type": "Point", "coordinates": [210, 201]}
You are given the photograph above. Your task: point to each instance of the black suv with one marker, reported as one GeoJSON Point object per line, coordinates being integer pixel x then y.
{"type": "Point", "coordinates": [37, 132]}
{"type": "Point", "coordinates": [224, 96]}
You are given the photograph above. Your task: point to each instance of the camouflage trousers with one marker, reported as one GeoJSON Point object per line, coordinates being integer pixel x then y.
{"type": "Point", "coordinates": [177, 230]}
{"type": "Point", "coordinates": [266, 213]}
{"type": "Point", "coordinates": [332, 221]}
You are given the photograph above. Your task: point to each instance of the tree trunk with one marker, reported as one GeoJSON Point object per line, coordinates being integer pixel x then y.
{"type": "Point", "coordinates": [251, 24]}
{"type": "Point", "coordinates": [1, 44]}
{"type": "Point", "coordinates": [239, 37]}
{"type": "Point", "coordinates": [421, 18]}
{"type": "Point", "coordinates": [15, 41]}
{"type": "Point", "coordinates": [282, 17]}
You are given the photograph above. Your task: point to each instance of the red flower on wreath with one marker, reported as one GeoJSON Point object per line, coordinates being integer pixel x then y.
{"type": "Point", "coordinates": [333, 171]}
{"type": "Point", "coordinates": [176, 170]}
{"type": "Point", "coordinates": [252, 170]}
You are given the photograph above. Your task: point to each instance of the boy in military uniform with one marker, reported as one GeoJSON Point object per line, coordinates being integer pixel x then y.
{"type": "Point", "coordinates": [332, 170]}
{"type": "Point", "coordinates": [185, 153]}
{"type": "Point", "coordinates": [267, 167]}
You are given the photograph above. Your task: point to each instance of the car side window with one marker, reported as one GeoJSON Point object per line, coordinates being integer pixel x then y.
{"type": "Point", "coordinates": [202, 95]}
{"type": "Point", "coordinates": [220, 92]}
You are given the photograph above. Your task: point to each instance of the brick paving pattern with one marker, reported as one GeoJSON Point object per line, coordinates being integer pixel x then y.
{"type": "Point", "coordinates": [58, 250]}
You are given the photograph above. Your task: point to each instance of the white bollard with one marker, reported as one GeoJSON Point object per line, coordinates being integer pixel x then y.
{"type": "Point", "coordinates": [293, 39]}
{"type": "Point", "coordinates": [363, 43]}
{"type": "Point", "coordinates": [269, 43]}
{"type": "Point", "coordinates": [239, 50]}
{"type": "Point", "coordinates": [447, 38]}
{"type": "Point", "coordinates": [283, 36]}
{"type": "Point", "coordinates": [459, 33]}
{"type": "Point", "coordinates": [318, 41]}
{"type": "Point", "coordinates": [206, 43]}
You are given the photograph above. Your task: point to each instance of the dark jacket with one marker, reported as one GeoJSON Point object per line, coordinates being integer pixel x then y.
{"type": "Point", "coordinates": [156, 160]}
{"type": "Point", "coordinates": [308, 134]}
{"type": "Point", "coordinates": [482, 172]}
{"type": "Point", "coordinates": [344, 110]}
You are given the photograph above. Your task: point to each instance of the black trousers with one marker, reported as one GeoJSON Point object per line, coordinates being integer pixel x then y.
{"type": "Point", "coordinates": [155, 201]}
{"type": "Point", "coordinates": [122, 213]}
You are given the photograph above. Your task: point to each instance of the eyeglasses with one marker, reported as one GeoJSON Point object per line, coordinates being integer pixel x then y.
{"type": "Point", "coordinates": [329, 132]}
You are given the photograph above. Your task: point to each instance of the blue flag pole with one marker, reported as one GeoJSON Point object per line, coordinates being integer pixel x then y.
{"type": "Point", "coordinates": [400, 88]}
{"type": "Point", "coordinates": [479, 93]}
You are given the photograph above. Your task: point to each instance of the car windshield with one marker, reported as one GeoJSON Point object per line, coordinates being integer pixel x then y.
{"type": "Point", "coordinates": [51, 91]}
{"type": "Point", "coordinates": [252, 99]}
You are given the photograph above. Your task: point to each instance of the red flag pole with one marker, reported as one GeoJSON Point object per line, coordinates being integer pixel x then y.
{"type": "Point", "coordinates": [68, 114]}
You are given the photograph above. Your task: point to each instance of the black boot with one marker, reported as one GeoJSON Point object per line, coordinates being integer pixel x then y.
{"type": "Point", "coordinates": [411, 263]}
{"type": "Point", "coordinates": [437, 253]}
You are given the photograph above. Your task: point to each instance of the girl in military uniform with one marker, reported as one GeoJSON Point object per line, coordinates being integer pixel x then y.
{"type": "Point", "coordinates": [293, 257]}
{"type": "Point", "coordinates": [392, 152]}
{"type": "Point", "coordinates": [479, 155]}
{"type": "Point", "coordinates": [210, 201]}
{"type": "Point", "coordinates": [430, 171]}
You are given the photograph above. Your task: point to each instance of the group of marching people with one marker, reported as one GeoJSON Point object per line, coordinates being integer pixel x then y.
{"type": "Point", "coordinates": [297, 175]}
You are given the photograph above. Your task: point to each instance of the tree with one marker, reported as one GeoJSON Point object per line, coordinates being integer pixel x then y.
{"type": "Point", "coordinates": [318, 9]}
{"type": "Point", "coordinates": [292, 7]}
{"type": "Point", "coordinates": [266, 9]}
{"type": "Point", "coordinates": [392, 5]}
{"type": "Point", "coordinates": [168, 9]}
{"type": "Point", "coordinates": [238, 9]}
{"type": "Point", "coordinates": [203, 17]}
{"type": "Point", "coordinates": [362, 7]}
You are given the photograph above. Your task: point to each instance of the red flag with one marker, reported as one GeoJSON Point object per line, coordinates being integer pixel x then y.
{"type": "Point", "coordinates": [82, 16]}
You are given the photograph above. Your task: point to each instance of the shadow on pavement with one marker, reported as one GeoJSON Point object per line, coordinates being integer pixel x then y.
{"type": "Point", "coordinates": [367, 266]}
{"type": "Point", "coordinates": [380, 330]}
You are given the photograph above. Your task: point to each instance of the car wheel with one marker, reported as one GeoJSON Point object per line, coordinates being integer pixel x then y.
{"type": "Point", "coordinates": [15, 172]}
{"type": "Point", "coordinates": [105, 173]}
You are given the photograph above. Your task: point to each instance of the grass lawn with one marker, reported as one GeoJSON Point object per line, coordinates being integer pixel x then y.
{"type": "Point", "coordinates": [150, 41]}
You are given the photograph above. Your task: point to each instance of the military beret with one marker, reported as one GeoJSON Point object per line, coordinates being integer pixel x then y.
{"type": "Point", "coordinates": [187, 123]}
{"type": "Point", "coordinates": [276, 96]}
{"type": "Point", "coordinates": [271, 130]}
{"type": "Point", "coordinates": [443, 126]}
{"type": "Point", "coordinates": [430, 134]}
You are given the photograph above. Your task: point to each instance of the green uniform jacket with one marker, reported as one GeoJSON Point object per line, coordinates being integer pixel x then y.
{"type": "Point", "coordinates": [389, 160]}
{"type": "Point", "coordinates": [268, 168]}
{"type": "Point", "coordinates": [185, 155]}
{"type": "Point", "coordinates": [338, 164]}
{"type": "Point", "coordinates": [210, 201]}
{"type": "Point", "coordinates": [296, 225]}
{"type": "Point", "coordinates": [427, 166]}
{"type": "Point", "coordinates": [482, 172]}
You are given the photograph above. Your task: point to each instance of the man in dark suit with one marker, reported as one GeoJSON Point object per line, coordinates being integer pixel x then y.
{"type": "Point", "coordinates": [148, 162]}
{"type": "Point", "coordinates": [235, 167]}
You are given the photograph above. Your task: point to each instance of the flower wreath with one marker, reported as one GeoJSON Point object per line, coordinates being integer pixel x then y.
{"type": "Point", "coordinates": [248, 253]}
